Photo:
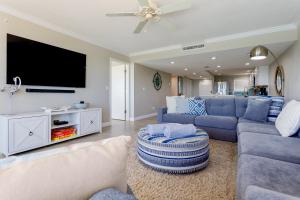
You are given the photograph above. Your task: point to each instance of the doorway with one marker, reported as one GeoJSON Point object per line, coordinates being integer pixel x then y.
{"type": "Point", "coordinates": [119, 90]}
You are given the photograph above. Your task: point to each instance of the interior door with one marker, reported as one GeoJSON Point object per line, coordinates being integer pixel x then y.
{"type": "Point", "coordinates": [118, 94]}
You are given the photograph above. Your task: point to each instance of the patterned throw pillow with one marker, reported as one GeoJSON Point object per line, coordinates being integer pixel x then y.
{"type": "Point", "coordinates": [197, 107]}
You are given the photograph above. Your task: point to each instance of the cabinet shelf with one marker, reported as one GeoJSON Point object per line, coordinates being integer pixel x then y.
{"type": "Point", "coordinates": [63, 126]}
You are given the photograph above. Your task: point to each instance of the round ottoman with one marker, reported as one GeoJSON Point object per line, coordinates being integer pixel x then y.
{"type": "Point", "coordinates": [174, 155]}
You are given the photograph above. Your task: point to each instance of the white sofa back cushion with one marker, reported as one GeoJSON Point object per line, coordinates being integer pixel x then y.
{"type": "Point", "coordinates": [288, 121]}
{"type": "Point", "coordinates": [75, 172]}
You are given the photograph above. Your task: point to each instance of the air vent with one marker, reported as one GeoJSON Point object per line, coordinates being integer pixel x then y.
{"type": "Point", "coordinates": [192, 47]}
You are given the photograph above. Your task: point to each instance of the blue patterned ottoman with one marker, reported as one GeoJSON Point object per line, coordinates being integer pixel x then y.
{"type": "Point", "coordinates": [174, 155]}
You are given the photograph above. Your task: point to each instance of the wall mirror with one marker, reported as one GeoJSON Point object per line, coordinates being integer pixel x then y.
{"type": "Point", "coordinates": [279, 80]}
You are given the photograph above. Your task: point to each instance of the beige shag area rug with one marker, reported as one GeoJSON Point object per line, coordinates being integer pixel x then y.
{"type": "Point", "coordinates": [216, 182]}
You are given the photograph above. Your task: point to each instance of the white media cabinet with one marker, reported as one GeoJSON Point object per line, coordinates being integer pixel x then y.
{"type": "Point", "coordinates": [23, 132]}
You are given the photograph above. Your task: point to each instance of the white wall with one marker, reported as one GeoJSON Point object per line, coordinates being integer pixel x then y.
{"type": "Point", "coordinates": [98, 63]}
{"type": "Point", "coordinates": [291, 65]}
{"type": "Point", "coordinates": [262, 75]}
{"type": "Point", "coordinates": [146, 98]}
{"type": "Point", "coordinates": [205, 87]}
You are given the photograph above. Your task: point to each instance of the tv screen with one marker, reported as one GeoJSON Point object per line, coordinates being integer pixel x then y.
{"type": "Point", "coordinates": [44, 65]}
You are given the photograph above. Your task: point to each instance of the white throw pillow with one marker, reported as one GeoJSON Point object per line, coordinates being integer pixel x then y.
{"type": "Point", "coordinates": [75, 172]}
{"type": "Point", "coordinates": [172, 104]}
{"type": "Point", "coordinates": [182, 105]}
{"type": "Point", "coordinates": [288, 121]}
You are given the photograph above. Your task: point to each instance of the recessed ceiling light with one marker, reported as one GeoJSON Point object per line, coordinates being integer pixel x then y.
{"type": "Point", "coordinates": [200, 76]}
{"type": "Point", "coordinates": [194, 73]}
{"type": "Point", "coordinates": [172, 62]}
{"type": "Point", "coordinates": [219, 66]}
{"type": "Point", "coordinates": [214, 58]}
{"type": "Point", "coordinates": [186, 69]}
{"type": "Point", "coordinates": [247, 64]}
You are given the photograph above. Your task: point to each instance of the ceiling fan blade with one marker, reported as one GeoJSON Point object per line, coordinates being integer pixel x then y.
{"type": "Point", "coordinates": [120, 14]}
{"type": "Point", "coordinates": [143, 3]}
{"type": "Point", "coordinates": [141, 26]}
{"type": "Point", "coordinates": [153, 4]}
{"type": "Point", "coordinates": [179, 5]}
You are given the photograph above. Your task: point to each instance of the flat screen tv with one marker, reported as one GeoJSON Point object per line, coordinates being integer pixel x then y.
{"type": "Point", "coordinates": [41, 64]}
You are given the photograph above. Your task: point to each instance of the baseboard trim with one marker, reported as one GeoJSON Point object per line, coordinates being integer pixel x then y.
{"type": "Point", "coordinates": [106, 124]}
{"type": "Point", "coordinates": [143, 117]}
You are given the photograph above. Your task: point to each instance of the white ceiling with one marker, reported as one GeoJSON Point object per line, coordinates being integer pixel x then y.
{"type": "Point", "coordinates": [231, 61]}
{"type": "Point", "coordinates": [206, 19]}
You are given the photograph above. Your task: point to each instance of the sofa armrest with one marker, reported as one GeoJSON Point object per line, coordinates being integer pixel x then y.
{"type": "Point", "coordinates": [258, 193]}
{"type": "Point", "coordinates": [160, 112]}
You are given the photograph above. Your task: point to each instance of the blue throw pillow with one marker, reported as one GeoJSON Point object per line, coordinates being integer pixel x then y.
{"type": "Point", "coordinates": [275, 106]}
{"type": "Point", "coordinates": [197, 98]}
{"type": "Point", "coordinates": [197, 107]}
{"type": "Point", "coordinates": [257, 110]}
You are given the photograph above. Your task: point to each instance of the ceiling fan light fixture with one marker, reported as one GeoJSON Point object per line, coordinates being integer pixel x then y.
{"type": "Point", "coordinates": [259, 53]}
{"type": "Point", "coordinates": [150, 11]}
{"type": "Point", "coordinates": [148, 16]}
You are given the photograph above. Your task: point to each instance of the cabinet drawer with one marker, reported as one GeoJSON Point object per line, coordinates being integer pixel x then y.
{"type": "Point", "coordinates": [90, 122]}
{"type": "Point", "coordinates": [28, 133]}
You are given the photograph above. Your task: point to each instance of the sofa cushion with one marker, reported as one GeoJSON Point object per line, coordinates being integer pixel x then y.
{"type": "Point", "coordinates": [221, 134]}
{"type": "Point", "coordinates": [257, 110]}
{"type": "Point", "coordinates": [279, 148]}
{"type": "Point", "coordinates": [179, 118]}
{"type": "Point", "coordinates": [221, 106]}
{"type": "Point", "coordinates": [240, 106]}
{"type": "Point", "coordinates": [243, 120]}
{"type": "Point", "coordinates": [258, 193]}
{"type": "Point", "coordinates": [257, 128]}
{"type": "Point", "coordinates": [223, 122]}
{"type": "Point", "coordinates": [280, 176]}
{"type": "Point", "coordinates": [73, 172]}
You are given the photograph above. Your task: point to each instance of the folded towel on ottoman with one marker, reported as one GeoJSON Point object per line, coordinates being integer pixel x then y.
{"type": "Point", "coordinates": [155, 129]}
{"type": "Point", "coordinates": [179, 130]}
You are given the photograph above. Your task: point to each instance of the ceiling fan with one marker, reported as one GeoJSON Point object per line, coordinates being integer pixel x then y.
{"type": "Point", "coordinates": [149, 10]}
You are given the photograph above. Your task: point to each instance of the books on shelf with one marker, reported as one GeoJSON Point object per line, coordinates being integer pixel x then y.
{"type": "Point", "coordinates": [60, 134]}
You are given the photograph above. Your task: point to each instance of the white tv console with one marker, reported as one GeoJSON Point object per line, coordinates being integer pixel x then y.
{"type": "Point", "coordinates": [23, 132]}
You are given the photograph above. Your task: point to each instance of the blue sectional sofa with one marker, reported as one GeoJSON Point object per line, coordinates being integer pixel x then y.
{"type": "Point", "coordinates": [224, 113]}
{"type": "Point", "coordinates": [268, 164]}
